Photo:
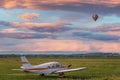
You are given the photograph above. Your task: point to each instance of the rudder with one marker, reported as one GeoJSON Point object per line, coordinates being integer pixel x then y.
{"type": "Point", "coordinates": [25, 62]}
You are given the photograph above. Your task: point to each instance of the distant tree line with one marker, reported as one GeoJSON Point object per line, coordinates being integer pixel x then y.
{"type": "Point", "coordinates": [87, 55]}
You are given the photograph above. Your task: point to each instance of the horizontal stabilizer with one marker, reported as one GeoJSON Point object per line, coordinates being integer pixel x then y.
{"type": "Point", "coordinates": [17, 69]}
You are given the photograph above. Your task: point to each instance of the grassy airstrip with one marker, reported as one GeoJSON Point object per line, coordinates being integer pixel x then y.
{"type": "Point", "coordinates": [99, 69]}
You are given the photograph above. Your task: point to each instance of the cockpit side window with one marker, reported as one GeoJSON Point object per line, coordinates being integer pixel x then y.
{"type": "Point", "coordinates": [54, 66]}
{"type": "Point", "coordinates": [48, 66]}
{"type": "Point", "coordinates": [57, 65]}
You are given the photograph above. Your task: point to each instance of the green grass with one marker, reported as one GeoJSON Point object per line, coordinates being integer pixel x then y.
{"type": "Point", "coordinates": [98, 69]}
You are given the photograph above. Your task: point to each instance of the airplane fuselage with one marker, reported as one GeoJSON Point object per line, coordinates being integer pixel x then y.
{"type": "Point", "coordinates": [46, 68]}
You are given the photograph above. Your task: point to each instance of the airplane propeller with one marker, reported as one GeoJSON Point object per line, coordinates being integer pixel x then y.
{"type": "Point", "coordinates": [69, 65]}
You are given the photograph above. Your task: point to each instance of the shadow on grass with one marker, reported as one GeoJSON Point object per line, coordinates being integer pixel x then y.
{"type": "Point", "coordinates": [71, 77]}
{"type": "Point", "coordinates": [51, 77]}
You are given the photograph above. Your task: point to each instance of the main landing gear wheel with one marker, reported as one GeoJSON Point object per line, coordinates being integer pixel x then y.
{"type": "Point", "coordinates": [42, 74]}
{"type": "Point", "coordinates": [61, 75]}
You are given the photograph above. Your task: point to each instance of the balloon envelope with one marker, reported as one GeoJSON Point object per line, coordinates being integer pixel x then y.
{"type": "Point", "coordinates": [95, 17]}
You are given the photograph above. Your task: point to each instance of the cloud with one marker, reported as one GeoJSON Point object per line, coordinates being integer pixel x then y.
{"type": "Point", "coordinates": [10, 3]}
{"type": "Point", "coordinates": [115, 33]}
{"type": "Point", "coordinates": [88, 6]}
{"type": "Point", "coordinates": [105, 28]}
{"type": "Point", "coordinates": [97, 36]}
{"type": "Point", "coordinates": [53, 45]}
{"type": "Point", "coordinates": [1, 49]}
{"type": "Point", "coordinates": [44, 27]}
{"type": "Point", "coordinates": [111, 29]}
{"type": "Point", "coordinates": [5, 23]}
{"type": "Point", "coordinates": [67, 45]}
{"type": "Point", "coordinates": [26, 35]}
{"type": "Point", "coordinates": [10, 30]}
{"type": "Point", "coordinates": [60, 45]}
{"type": "Point", "coordinates": [29, 16]}
{"type": "Point", "coordinates": [73, 17]}
{"type": "Point", "coordinates": [52, 27]}
{"type": "Point", "coordinates": [101, 33]}
{"type": "Point", "coordinates": [106, 32]}
{"type": "Point", "coordinates": [105, 46]}
{"type": "Point", "coordinates": [38, 3]}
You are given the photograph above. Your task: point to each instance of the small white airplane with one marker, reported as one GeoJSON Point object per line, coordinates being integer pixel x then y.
{"type": "Point", "coordinates": [47, 68]}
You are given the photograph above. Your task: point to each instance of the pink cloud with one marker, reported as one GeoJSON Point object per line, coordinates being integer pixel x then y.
{"type": "Point", "coordinates": [29, 16]}
{"type": "Point", "coordinates": [42, 3]}
{"type": "Point", "coordinates": [26, 36]}
{"type": "Point", "coordinates": [31, 25]}
{"type": "Point", "coordinates": [88, 6]}
{"type": "Point", "coordinates": [1, 49]}
{"type": "Point", "coordinates": [112, 27]}
{"type": "Point", "coordinates": [106, 46]}
{"type": "Point", "coordinates": [9, 30]}
{"type": "Point", "coordinates": [54, 45]}
{"type": "Point", "coordinates": [78, 2]}
{"type": "Point", "coordinates": [115, 33]}
{"type": "Point", "coordinates": [10, 3]}
{"type": "Point", "coordinates": [69, 45]}
{"type": "Point", "coordinates": [64, 45]}
{"type": "Point", "coordinates": [44, 27]}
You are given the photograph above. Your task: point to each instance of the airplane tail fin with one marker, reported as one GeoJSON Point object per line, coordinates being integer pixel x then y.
{"type": "Point", "coordinates": [25, 62]}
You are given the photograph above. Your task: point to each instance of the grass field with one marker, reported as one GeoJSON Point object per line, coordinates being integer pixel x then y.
{"type": "Point", "coordinates": [98, 69]}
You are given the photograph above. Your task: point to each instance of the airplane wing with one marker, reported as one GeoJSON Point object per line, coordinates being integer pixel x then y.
{"type": "Point", "coordinates": [69, 70]}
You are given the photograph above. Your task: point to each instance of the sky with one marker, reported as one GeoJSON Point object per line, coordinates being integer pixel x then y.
{"type": "Point", "coordinates": [60, 25]}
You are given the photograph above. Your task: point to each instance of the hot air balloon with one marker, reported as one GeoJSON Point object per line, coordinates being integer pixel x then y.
{"type": "Point", "coordinates": [95, 17]}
